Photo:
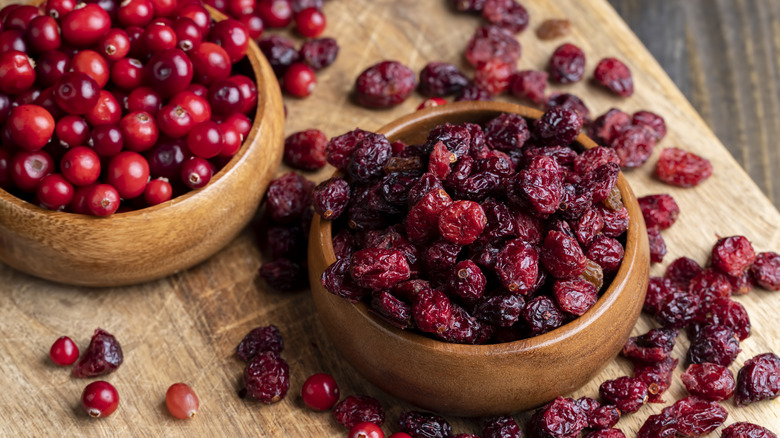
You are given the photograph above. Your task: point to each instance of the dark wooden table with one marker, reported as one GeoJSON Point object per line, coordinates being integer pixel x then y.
{"type": "Point", "coordinates": [725, 57]}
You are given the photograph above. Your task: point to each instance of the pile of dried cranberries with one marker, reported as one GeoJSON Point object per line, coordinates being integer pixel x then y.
{"type": "Point", "coordinates": [106, 109]}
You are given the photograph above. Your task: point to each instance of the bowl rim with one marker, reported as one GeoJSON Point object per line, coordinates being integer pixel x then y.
{"type": "Point", "coordinates": [528, 345]}
{"type": "Point", "coordinates": [149, 212]}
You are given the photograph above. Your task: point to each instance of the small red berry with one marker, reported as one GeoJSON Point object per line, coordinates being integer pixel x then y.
{"type": "Point", "coordinates": [114, 45]}
{"type": "Point", "coordinates": [181, 400]}
{"type": "Point", "coordinates": [366, 430]}
{"type": "Point", "coordinates": [84, 26]}
{"type": "Point", "coordinates": [29, 167]}
{"type": "Point", "coordinates": [299, 80]}
{"type": "Point", "coordinates": [64, 351]}
{"type": "Point", "coordinates": [139, 131]}
{"type": "Point", "coordinates": [205, 140]}
{"type": "Point", "coordinates": [80, 165]}
{"type": "Point", "coordinates": [174, 121]}
{"type": "Point", "coordinates": [310, 22]}
{"type": "Point", "coordinates": [54, 192]}
{"type": "Point", "coordinates": [210, 62]}
{"type": "Point", "coordinates": [99, 399]}
{"type": "Point", "coordinates": [231, 140]}
{"type": "Point", "coordinates": [320, 392]}
{"type": "Point", "coordinates": [103, 200]}
{"type": "Point", "coordinates": [17, 72]}
{"type": "Point", "coordinates": [196, 172]}
{"type": "Point", "coordinates": [275, 13]}
{"type": "Point", "coordinates": [128, 172]}
{"type": "Point", "coordinates": [158, 191]}
{"type": "Point", "coordinates": [30, 126]}
{"type": "Point", "coordinates": [92, 64]}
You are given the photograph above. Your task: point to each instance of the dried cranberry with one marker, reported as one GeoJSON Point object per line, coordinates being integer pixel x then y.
{"type": "Point", "coordinates": [507, 132]}
{"type": "Point", "coordinates": [682, 270]}
{"type": "Point", "coordinates": [494, 76]}
{"type": "Point", "coordinates": [340, 148]}
{"type": "Point", "coordinates": [613, 74]}
{"type": "Point", "coordinates": [562, 255]}
{"type": "Point", "coordinates": [456, 137]}
{"type": "Point", "coordinates": [657, 245]}
{"type": "Point", "coordinates": [608, 126]}
{"type": "Point", "coordinates": [441, 79]}
{"type": "Point", "coordinates": [709, 381]}
{"type": "Point", "coordinates": [499, 310]}
{"type": "Point", "coordinates": [492, 42]}
{"type": "Point", "coordinates": [714, 343]}
{"type": "Point", "coordinates": [529, 84]}
{"type": "Point", "coordinates": [501, 427]}
{"type": "Point", "coordinates": [259, 340]}
{"type": "Point", "coordinates": [652, 121]}
{"type": "Point", "coordinates": [424, 425]}
{"type": "Point", "coordinates": [541, 315]}
{"type": "Point", "coordinates": [681, 168]}
{"type": "Point", "coordinates": [432, 311]}
{"type": "Point", "coordinates": [567, 64]}
{"type": "Point", "coordinates": [369, 156]}
{"type": "Point", "coordinates": [319, 53]}
{"type": "Point", "coordinates": [678, 309]}
{"type": "Point", "coordinates": [385, 84]}
{"type": "Point", "coordinates": [746, 430]}
{"type": "Point", "coordinates": [336, 280]}
{"type": "Point", "coordinates": [726, 312]}
{"type": "Point", "coordinates": [663, 425]}
{"type": "Point", "coordinates": [473, 92]}
{"type": "Point", "coordinates": [575, 296]}
{"type": "Point", "coordinates": [508, 14]}
{"type": "Point", "coordinates": [279, 51]}
{"type": "Point", "coordinates": [467, 281]}
{"type": "Point", "coordinates": [306, 149]}
{"type": "Point", "coordinates": [102, 356]}
{"type": "Point", "coordinates": [288, 196]}
{"type": "Point", "coordinates": [569, 101]}
{"type": "Point", "coordinates": [627, 393]}
{"type": "Point", "coordinates": [606, 433]}
{"type": "Point", "coordinates": [541, 189]}
{"type": "Point", "coordinates": [733, 255]}
{"type": "Point", "coordinates": [465, 329]}
{"type": "Point", "coordinates": [267, 377]}
{"type": "Point", "coordinates": [560, 418]}
{"type": "Point", "coordinates": [696, 417]}
{"type": "Point", "coordinates": [633, 145]}
{"type": "Point", "coordinates": [654, 346]}
{"type": "Point", "coordinates": [758, 379]}
{"type": "Point", "coordinates": [423, 219]}
{"type": "Point", "coordinates": [517, 266]}
{"type": "Point", "coordinates": [659, 210]}
{"type": "Point", "coordinates": [710, 284]}
{"type": "Point", "coordinates": [462, 222]}
{"type": "Point", "coordinates": [331, 197]}
{"type": "Point", "coordinates": [391, 309]}
{"type": "Point", "coordinates": [558, 126]}
{"type": "Point", "coordinates": [376, 268]}
{"type": "Point", "coordinates": [657, 376]}
{"type": "Point", "coordinates": [766, 270]}
{"type": "Point", "coordinates": [358, 409]}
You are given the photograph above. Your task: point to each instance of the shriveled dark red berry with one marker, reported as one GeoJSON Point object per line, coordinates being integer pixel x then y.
{"type": "Point", "coordinates": [356, 409]}
{"type": "Point", "coordinates": [682, 270]}
{"type": "Point", "coordinates": [659, 210]}
{"type": "Point", "coordinates": [569, 101]}
{"type": "Point", "coordinates": [267, 377]}
{"type": "Point", "coordinates": [608, 126]}
{"type": "Point", "coordinates": [652, 121]}
{"type": "Point", "coordinates": [567, 64]}
{"type": "Point", "coordinates": [696, 417]}
{"type": "Point", "coordinates": [507, 132]}
{"type": "Point", "coordinates": [613, 74]}
{"type": "Point", "coordinates": [391, 309]}
{"type": "Point", "coordinates": [659, 425]}
{"type": "Point", "coordinates": [369, 156]}
{"type": "Point", "coordinates": [377, 269]}
{"type": "Point", "coordinates": [562, 255]}
{"type": "Point", "coordinates": [529, 84]}
{"type": "Point", "coordinates": [492, 42]}
{"type": "Point", "coordinates": [340, 148]}
{"type": "Point", "coordinates": [493, 76]}
{"type": "Point", "coordinates": [260, 339]}
{"type": "Point", "coordinates": [726, 312]}
{"type": "Point", "coordinates": [424, 425]}
{"type": "Point", "coordinates": [558, 126]}
{"type": "Point", "coordinates": [657, 376]}
{"type": "Point", "coordinates": [606, 252]}
{"type": "Point", "coordinates": [716, 344]}
{"type": "Point", "coordinates": [634, 145]}
{"type": "Point", "coordinates": [102, 356]}
{"type": "Point", "coordinates": [657, 245]}
{"type": "Point", "coordinates": [517, 266]}
{"type": "Point", "coordinates": [306, 149]}
{"type": "Point", "coordinates": [465, 329]}
{"type": "Point", "coordinates": [462, 222]}
{"type": "Point", "coordinates": [279, 51]}
{"type": "Point", "coordinates": [331, 197]}
{"type": "Point", "coordinates": [457, 138]}
{"type": "Point", "coordinates": [653, 346]}
{"type": "Point", "coordinates": [441, 79]}
{"type": "Point", "coordinates": [710, 284]}
{"type": "Point", "coordinates": [319, 53]}
{"type": "Point", "coordinates": [508, 14]}
{"type": "Point", "coordinates": [575, 296]}
{"type": "Point", "coordinates": [733, 255]}
{"type": "Point", "coordinates": [766, 270]}
{"type": "Point", "coordinates": [336, 280]}
{"type": "Point", "coordinates": [288, 196]}
{"type": "Point", "coordinates": [499, 310]}
{"type": "Point", "coordinates": [467, 281]}
{"type": "Point", "coordinates": [606, 433]}
{"type": "Point", "coordinates": [758, 379]}
{"type": "Point", "coordinates": [432, 311]}
{"type": "Point", "coordinates": [473, 92]}
{"type": "Point", "coordinates": [627, 393]}
{"type": "Point", "coordinates": [659, 291]}
{"type": "Point", "coordinates": [423, 219]}
{"type": "Point", "coordinates": [501, 427]}
{"type": "Point", "coordinates": [709, 381]}
{"type": "Point", "coordinates": [744, 429]}
{"type": "Point", "coordinates": [560, 418]}
{"type": "Point", "coordinates": [384, 85]}
{"type": "Point", "coordinates": [679, 309]}
{"type": "Point", "coordinates": [541, 315]}
{"type": "Point", "coordinates": [681, 168]}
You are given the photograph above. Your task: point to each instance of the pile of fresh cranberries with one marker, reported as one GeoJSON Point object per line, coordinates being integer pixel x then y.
{"type": "Point", "coordinates": [112, 107]}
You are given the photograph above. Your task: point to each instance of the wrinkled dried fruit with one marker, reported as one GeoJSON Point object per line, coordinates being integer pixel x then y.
{"type": "Point", "coordinates": [102, 356]}
{"type": "Point", "coordinates": [508, 14]}
{"type": "Point", "coordinates": [267, 377]}
{"type": "Point", "coordinates": [560, 418]}
{"type": "Point", "coordinates": [746, 430]}
{"type": "Point", "coordinates": [733, 255]}
{"type": "Point", "coordinates": [615, 75]}
{"type": "Point", "coordinates": [384, 85]}
{"type": "Point", "coordinates": [575, 296]}
{"type": "Point", "coordinates": [258, 340]}
{"type": "Point", "coordinates": [562, 256]}
{"type": "Point", "coordinates": [709, 381]}
{"type": "Point", "coordinates": [376, 268]}
{"type": "Point", "coordinates": [288, 197]}
{"type": "Point", "coordinates": [529, 84]}
{"type": "Point", "coordinates": [715, 344]}
{"type": "Point", "coordinates": [653, 346]}
{"type": "Point", "coordinates": [424, 425]}
{"type": "Point", "coordinates": [758, 379]}
{"type": "Point", "coordinates": [358, 409]}
{"type": "Point", "coordinates": [331, 197]}
{"type": "Point", "coordinates": [657, 245]}
{"type": "Point", "coordinates": [306, 149]}
{"type": "Point", "coordinates": [659, 211]}
{"type": "Point", "coordinates": [441, 79]}
{"type": "Point", "coordinates": [627, 393]}
{"type": "Point", "coordinates": [542, 315]}
{"type": "Point", "coordinates": [517, 266]}
{"type": "Point", "coordinates": [657, 376]}
{"type": "Point", "coordinates": [492, 42]}
{"type": "Point", "coordinates": [432, 311]}
{"type": "Point", "coordinates": [681, 168]}
{"type": "Point", "coordinates": [567, 64]}
{"type": "Point", "coordinates": [558, 126]}
{"type": "Point", "coordinates": [766, 270]}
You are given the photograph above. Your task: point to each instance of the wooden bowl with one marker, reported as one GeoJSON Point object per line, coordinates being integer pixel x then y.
{"type": "Point", "coordinates": [481, 380]}
{"type": "Point", "coordinates": [153, 242]}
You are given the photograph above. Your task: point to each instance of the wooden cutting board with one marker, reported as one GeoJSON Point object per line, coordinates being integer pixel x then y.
{"type": "Point", "coordinates": [186, 327]}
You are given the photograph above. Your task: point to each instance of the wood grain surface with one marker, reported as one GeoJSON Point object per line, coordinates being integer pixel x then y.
{"type": "Point", "coordinates": [724, 55]}
{"type": "Point", "coordinates": [185, 327]}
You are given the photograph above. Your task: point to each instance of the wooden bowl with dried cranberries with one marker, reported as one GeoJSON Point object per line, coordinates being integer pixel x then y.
{"type": "Point", "coordinates": [164, 120]}
{"type": "Point", "coordinates": [478, 327]}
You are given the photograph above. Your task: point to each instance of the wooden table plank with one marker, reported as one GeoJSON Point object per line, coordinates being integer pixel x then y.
{"type": "Point", "coordinates": [185, 327]}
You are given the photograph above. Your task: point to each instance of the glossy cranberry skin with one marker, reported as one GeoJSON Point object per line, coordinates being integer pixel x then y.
{"type": "Point", "coordinates": [72, 130]}
{"type": "Point", "coordinates": [28, 169]}
{"type": "Point", "coordinates": [174, 121]}
{"type": "Point", "coordinates": [20, 18]}
{"type": "Point", "coordinates": [210, 62]}
{"type": "Point", "coordinates": [158, 191]}
{"type": "Point", "coordinates": [80, 166]}
{"type": "Point", "coordinates": [144, 99]}
{"type": "Point", "coordinates": [199, 15]}
{"type": "Point", "coordinates": [240, 122]}
{"type": "Point", "coordinates": [253, 24]}
{"type": "Point", "coordinates": [225, 97]}
{"type": "Point", "coordinates": [12, 40]}
{"type": "Point", "coordinates": [135, 13]}
{"type": "Point", "coordinates": [188, 34]}
{"type": "Point", "coordinates": [105, 111]}
{"type": "Point", "coordinates": [103, 200]}
{"type": "Point", "coordinates": [50, 67]}
{"type": "Point", "coordinates": [159, 37]}
{"type": "Point", "coordinates": [54, 192]}
{"type": "Point", "coordinates": [99, 399]}
{"type": "Point", "coordinates": [320, 392]}
{"type": "Point", "coordinates": [85, 26]}
{"type": "Point", "coordinates": [310, 22]}
{"type": "Point", "coordinates": [107, 140]}
{"type": "Point", "coordinates": [238, 8]}
{"type": "Point", "coordinates": [198, 107]}
{"type": "Point", "coordinates": [205, 139]}
{"type": "Point", "coordinates": [139, 130]}
{"type": "Point", "coordinates": [248, 90]}
{"type": "Point", "coordinates": [17, 72]}
{"type": "Point", "coordinates": [166, 157]}
{"type": "Point", "coordinates": [43, 34]}
{"type": "Point", "coordinates": [58, 8]}
{"type": "Point", "coordinates": [232, 36]}
{"type": "Point", "coordinates": [299, 80]}
{"type": "Point", "coordinates": [114, 45]}
{"type": "Point", "coordinates": [196, 172]}
{"type": "Point", "coordinates": [30, 126]}
{"type": "Point", "coordinates": [128, 172]}
{"type": "Point", "coordinates": [169, 72]}
{"type": "Point", "coordinates": [164, 8]}
{"type": "Point", "coordinates": [275, 13]}
{"type": "Point", "coordinates": [76, 93]}
{"type": "Point", "coordinates": [127, 73]}
{"type": "Point", "coordinates": [231, 140]}
{"type": "Point", "coordinates": [64, 351]}
{"type": "Point", "coordinates": [92, 64]}
{"type": "Point", "coordinates": [365, 430]}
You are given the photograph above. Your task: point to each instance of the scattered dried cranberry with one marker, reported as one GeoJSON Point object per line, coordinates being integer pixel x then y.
{"type": "Point", "coordinates": [606, 433]}
{"type": "Point", "coordinates": [758, 379]}
{"type": "Point", "coordinates": [746, 430]}
{"type": "Point", "coordinates": [682, 270]}
{"type": "Point", "coordinates": [102, 356]}
{"type": "Point", "coordinates": [652, 121]}
{"type": "Point", "coordinates": [331, 197]}
{"type": "Point", "coordinates": [358, 409]}
{"type": "Point", "coordinates": [508, 14]}
{"type": "Point", "coordinates": [319, 53]}
{"type": "Point", "coordinates": [492, 42]}
{"type": "Point", "coordinates": [714, 343]}
{"type": "Point", "coordinates": [613, 74]}
{"type": "Point", "coordinates": [529, 84]}
{"type": "Point", "coordinates": [494, 76]}
{"type": "Point", "coordinates": [733, 255]}
{"type": "Point", "coordinates": [560, 418]}
{"type": "Point", "coordinates": [501, 427]}
{"type": "Point", "coordinates": [424, 425]}
{"type": "Point", "coordinates": [608, 126]}
{"type": "Point", "coordinates": [657, 245]}
{"type": "Point", "coordinates": [384, 85]}
{"type": "Point", "coordinates": [567, 64]}
{"type": "Point", "coordinates": [627, 393]}
{"type": "Point", "coordinates": [267, 377]}
{"type": "Point", "coordinates": [653, 346]}
{"type": "Point", "coordinates": [473, 92]}
{"type": "Point", "coordinates": [681, 168]}
{"type": "Point", "coordinates": [726, 312]}
{"type": "Point", "coordinates": [306, 149]}
{"type": "Point", "coordinates": [766, 270]}
{"type": "Point", "coordinates": [659, 211]}
{"type": "Point", "coordinates": [656, 375]}
{"type": "Point", "coordinates": [558, 126]}
{"type": "Point", "coordinates": [441, 79]}
{"type": "Point", "coordinates": [259, 340]}
{"type": "Point", "coordinates": [634, 145]}
{"type": "Point", "coordinates": [709, 381]}
{"type": "Point", "coordinates": [553, 28]}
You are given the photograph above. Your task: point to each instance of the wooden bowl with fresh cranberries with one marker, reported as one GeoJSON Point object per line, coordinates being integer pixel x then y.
{"type": "Point", "coordinates": [463, 367]}
{"type": "Point", "coordinates": [138, 138]}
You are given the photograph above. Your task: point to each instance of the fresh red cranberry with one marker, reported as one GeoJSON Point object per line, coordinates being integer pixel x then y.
{"type": "Point", "coordinates": [92, 64]}
{"type": "Point", "coordinates": [30, 126]}
{"type": "Point", "coordinates": [127, 73]}
{"type": "Point", "coordinates": [320, 392]}
{"type": "Point", "coordinates": [12, 40]}
{"type": "Point", "coordinates": [20, 18]}
{"type": "Point", "coordinates": [613, 74]}
{"type": "Point", "coordinates": [54, 192]}
{"type": "Point", "coordinates": [199, 15]}
{"type": "Point", "coordinates": [248, 90]}
{"type": "Point", "coordinates": [231, 140]}
{"type": "Point", "coordinates": [170, 71]}
{"type": "Point", "coordinates": [107, 140]}
{"type": "Point", "coordinates": [241, 122]}
{"type": "Point", "coordinates": [567, 64]}
{"type": "Point", "coordinates": [174, 121]}
{"type": "Point", "coordinates": [158, 191]}
{"type": "Point", "coordinates": [253, 24]}
{"type": "Point", "coordinates": [196, 172]}
{"type": "Point", "coordinates": [28, 169]}
{"type": "Point", "coordinates": [384, 85]}
{"type": "Point", "coordinates": [299, 80]}
{"type": "Point", "coordinates": [164, 8]}
{"type": "Point", "coordinates": [159, 37]}
{"type": "Point", "coordinates": [144, 99]}
{"type": "Point", "coordinates": [84, 26]}
{"type": "Point", "coordinates": [102, 200]}
{"type": "Point", "coordinates": [198, 107]}
{"type": "Point", "coordinates": [17, 72]}
{"type": "Point", "coordinates": [135, 35]}
{"type": "Point", "coordinates": [49, 67]}
{"type": "Point", "coordinates": [128, 172]}
{"type": "Point", "coordinates": [27, 97]}
{"type": "Point", "coordinates": [58, 8]}
{"type": "Point", "coordinates": [64, 351]}
{"type": "Point", "coordinates": [232, 36]}
{"type": "Point", "coordinates": [43, 34]}
{"type": "Point", "coordinates": [99, 399]}
{"type": "Point", "coordinates": [225, 97]}
{"type": "Point", "coordinates": [275, 13]}
{"type": "Point", "coordinates": [80, 165]}
{"type": "Point", "coordinates": [205, 139]}
{"type": "Point", "coordinates": [319, 53]}
{"type": "Point", "coordinates": [188, 34]}
{"type": "Point", "coordinates": [199, 90]}
{"type": "Point", "coordinates": [238, 8]}
{"type": "Point", "coordinates": [210, 63]}
{"type": "Point", "coordinates": [7, 9]}
{"type": "Point", "coordinates": [166, 157]}
{"type": "Point", "coordinates": [105, 111]}
{"type": "Point", "coordinates": [76, 93]}
{"type": "Point", "coordinates": [365, 430]}
{"type": "Point", "coordinates": [139, 131]}
{"type": "Point", "coordinates": [135, 13]}
{"type": "Point", "coordinates": [310, 22]}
